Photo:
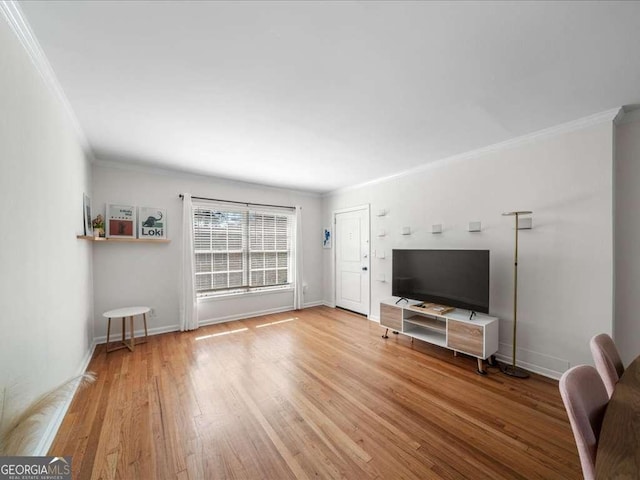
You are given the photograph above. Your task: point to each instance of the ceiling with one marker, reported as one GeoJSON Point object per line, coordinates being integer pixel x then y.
{"type": "Point", "coordinates": [317, 96]}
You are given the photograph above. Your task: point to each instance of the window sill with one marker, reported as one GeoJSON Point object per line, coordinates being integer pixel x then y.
{"type": "Point", "coordinates": [228, 296]}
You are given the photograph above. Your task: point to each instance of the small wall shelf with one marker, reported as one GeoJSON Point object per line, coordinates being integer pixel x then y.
{"type": "Point", "coordinates": [129, 240]}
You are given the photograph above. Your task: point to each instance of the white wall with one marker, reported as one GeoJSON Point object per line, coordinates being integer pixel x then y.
{"type": "Point", "coordinates": [565, 269]}
{"type": "Point", "coordinates": [627, 237]}
{"type": "Point", "coordinates": [147, 274]}
{"type": "Point", "coordinates": [45, 271]}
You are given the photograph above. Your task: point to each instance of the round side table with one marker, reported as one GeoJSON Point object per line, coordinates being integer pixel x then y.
{"type": "Point", "coordinates": [124, 313]}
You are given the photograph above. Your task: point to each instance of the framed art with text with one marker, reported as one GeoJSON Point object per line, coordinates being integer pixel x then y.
{"type": "Point", "coordinates": [152, 222]}
{"type": "Point", "coordinates": [121, 221]}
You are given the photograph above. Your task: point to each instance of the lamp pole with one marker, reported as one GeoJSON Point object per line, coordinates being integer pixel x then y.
{"type": "Point", "coordinates": [512, 370]}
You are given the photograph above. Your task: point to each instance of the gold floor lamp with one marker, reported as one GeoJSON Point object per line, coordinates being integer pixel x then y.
{"type": "Point", "coordinates": [512, 370]}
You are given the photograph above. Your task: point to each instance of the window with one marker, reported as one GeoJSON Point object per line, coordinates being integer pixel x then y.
{"type": "Point", "coordinates": [242, 249]}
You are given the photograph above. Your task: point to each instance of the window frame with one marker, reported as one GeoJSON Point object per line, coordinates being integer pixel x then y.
{"type": "Point", "coordinates": [247, 211]}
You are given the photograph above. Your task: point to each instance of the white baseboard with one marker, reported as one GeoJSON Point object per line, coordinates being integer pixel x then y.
{"type": "Point", "coordinates": [531, 367]}
{"type": "Point", "coordinates": [51, 429]}
{"type": "Point", "coordinates": [374, 318]}
{"type": "Point", "coordinates": [242, 316]}
{"type": "Point", "coordinates": [328, 304]}
{"type": "Point", "coordinates": [313, 304]}
{"type": "Point", "coordinates": [138, 333]}
{"type": "Point", "coordinates": [536, 362]}
{"type": "Point", "coordinates": [87, 358]}
{"type": "Point", "coordinates": [211, 321]}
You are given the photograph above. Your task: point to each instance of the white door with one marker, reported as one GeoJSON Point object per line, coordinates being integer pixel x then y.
{"type": "Point", "coordinates": [352, 259]}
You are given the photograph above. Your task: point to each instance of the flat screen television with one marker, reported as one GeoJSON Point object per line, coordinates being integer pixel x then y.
{"type": "Point", "coordinates": [456, 278]}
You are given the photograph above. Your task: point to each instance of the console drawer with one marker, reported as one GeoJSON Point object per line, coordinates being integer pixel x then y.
{"type": "Point", "coordinates": [391, 317]}
{"type": "Point", "coordinates": [465, 337]}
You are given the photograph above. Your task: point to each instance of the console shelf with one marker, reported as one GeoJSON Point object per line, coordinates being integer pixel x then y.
{"type": "Point", "coordinates": [454, 329]}
{"type": "Point", "coordinates": [428, 323]}
{"type": "Point", "coordinates": [429, 336]}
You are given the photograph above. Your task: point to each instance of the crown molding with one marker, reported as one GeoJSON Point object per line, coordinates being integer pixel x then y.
{"type": "Point", "coordinates": [131, 166]}
{"type": "Point", "coordinates": [628, 114]}
{"type": "Point", "coordinates": [574, 125]}
{"type": "Point", "coordinates": [18, 23]}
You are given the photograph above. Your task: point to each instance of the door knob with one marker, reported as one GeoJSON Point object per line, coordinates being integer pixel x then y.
{"type": "Point", "coordinates": [364, 269]}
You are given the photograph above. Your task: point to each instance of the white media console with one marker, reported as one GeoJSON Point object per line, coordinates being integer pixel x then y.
{"type": "Point", "coordinates": [455, 330]}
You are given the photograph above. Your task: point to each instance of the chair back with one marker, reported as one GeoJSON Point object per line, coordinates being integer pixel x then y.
{"type": "Point", "coordinates": [607, 360]}
{"type": "Point", "coordinates": [585, 399]}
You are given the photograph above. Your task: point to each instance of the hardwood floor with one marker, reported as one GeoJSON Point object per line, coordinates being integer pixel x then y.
{"type": "Point", "coordinates": [310, 394]}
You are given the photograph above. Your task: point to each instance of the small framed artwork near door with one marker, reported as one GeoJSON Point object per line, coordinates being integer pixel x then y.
{"type": "Point", "coordinates": [152, 222]}
{"type": "Point", "coordinates": [326, 237]}
{"type": "Point", "coordinates": [121, 221]}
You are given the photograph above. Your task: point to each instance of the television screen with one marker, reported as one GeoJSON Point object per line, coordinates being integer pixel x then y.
{"type": "Point", "coordinates": [456, 278]}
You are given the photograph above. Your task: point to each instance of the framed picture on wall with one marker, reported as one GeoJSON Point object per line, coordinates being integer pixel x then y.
{"type": "Point", "coordinates": [121, 221]}
{"type": "Point", "coordinates": [326, 238]}
{"type": "Point", "coordinates": [152, 222]}
{"type": "Point", "coordinates": [86, 212]}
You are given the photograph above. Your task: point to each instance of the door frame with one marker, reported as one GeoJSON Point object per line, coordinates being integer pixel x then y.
{"type": "Point", "coordinates": [367, 207]}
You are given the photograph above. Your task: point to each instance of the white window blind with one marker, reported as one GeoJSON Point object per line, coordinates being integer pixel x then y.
{"type": "Point", "coordinates": [241, 249]}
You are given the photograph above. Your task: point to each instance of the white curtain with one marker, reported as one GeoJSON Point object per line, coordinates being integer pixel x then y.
{"type": "Point", "coordinates": [298, 292]}
{"type": "Point", "coordinates": [188, 305]}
